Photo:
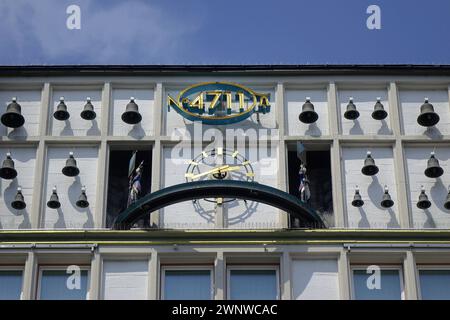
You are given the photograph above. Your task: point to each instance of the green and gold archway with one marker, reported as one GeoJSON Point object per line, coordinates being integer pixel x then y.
{"type": "Point", "coordinates": [219, 188]}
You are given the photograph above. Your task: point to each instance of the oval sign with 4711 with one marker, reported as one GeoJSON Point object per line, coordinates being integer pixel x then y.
{"type": "Point", "coordinates": [219, 103]}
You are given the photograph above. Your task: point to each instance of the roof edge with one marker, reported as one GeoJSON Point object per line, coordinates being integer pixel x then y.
{"type": "Point", "coordinates": [60, 70]}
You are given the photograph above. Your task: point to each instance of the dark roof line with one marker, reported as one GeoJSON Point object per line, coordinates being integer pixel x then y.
{"type": "Point", "coordinates": [39, 70]}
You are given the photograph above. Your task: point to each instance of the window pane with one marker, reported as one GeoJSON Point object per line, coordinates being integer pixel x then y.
{"type": "Point", "coordinates": [253, 285]}
{"type": "Point", "coordinates": [54, 285]}
{"type": "Point", "coordinates": [10, 284]}
{"type": "Point", "coordinates": [187, 285]}
{"type": "Point", "coordinates": [389, 285]}
{"type": "Point", "coordinates": [435, 284]}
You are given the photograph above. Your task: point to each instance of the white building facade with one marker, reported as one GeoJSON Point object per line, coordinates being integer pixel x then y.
{"type": "Point", "coordinates": [230, 247]}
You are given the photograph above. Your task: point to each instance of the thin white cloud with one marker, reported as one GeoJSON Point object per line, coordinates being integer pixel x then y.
{"type": "Point", "coordinates": [113, 32]}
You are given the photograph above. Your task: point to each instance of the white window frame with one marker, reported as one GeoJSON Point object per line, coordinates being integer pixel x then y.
{"type": "Point", "coordinates": [253, 267]}
{"type": "Point", "coordinates": [183, 268]}
{"type": "Point", "coordinates": [16, 268]}
{"type": "Point", "coordinates": [382, 267]}
{"type": "Point", "coordinates": [428, 267]}
{"type": "Point", "coordinates": [64, 268]}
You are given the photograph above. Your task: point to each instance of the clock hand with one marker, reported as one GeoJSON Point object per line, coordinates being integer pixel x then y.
{"type": "Point", "coordinates": [231, 169]}
{"type": "Point", "coordinates": [215, 170]}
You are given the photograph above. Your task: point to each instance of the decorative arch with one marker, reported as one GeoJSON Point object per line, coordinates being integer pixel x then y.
{"type": "Point", "coordinates": [214, 189]}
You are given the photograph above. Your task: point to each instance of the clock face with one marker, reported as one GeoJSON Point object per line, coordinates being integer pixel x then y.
{"type": "Point", "coordinates": [219, 164]}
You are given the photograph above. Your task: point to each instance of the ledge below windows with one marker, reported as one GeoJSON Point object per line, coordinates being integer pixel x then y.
{"type": "Point", "coordinates": [405, 237]}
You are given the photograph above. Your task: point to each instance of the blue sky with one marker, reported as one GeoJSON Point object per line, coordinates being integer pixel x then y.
{"type": "Point", "coordinates": [224, 32]}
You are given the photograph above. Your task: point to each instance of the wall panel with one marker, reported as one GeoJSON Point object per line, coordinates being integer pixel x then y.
{"type": "Point", "coordinates": [436, 188]}
{"type": "Point", "coordinates": [365, 101]}
{"type": "Point", "coordinates": [315, 279]}
{"type": "Point", "coordinates": [24, 161]}
{"type": "Point", "coordinates": [410, 102]}
{"type": "Point", "coordinates": [294, 102]}
{"type": "Point", "coordinates": [70, 216]}
{"type": "Point", "coordinates": [75, 125]}
{"type": "Point", "coordinates": [372, 214]}
{"type": "Point", "coordinates": [125, 280]}
{"type": "Point", "coordinates": [238, 213]}
{"type": "Point", "coordinates": [188, 214]}
{"type": "Point", "coordinates": [253, 215]}
{"type": "Point", "coordinates": [30, 101]}
{"type": "Point", "coordinates": [144, 98]}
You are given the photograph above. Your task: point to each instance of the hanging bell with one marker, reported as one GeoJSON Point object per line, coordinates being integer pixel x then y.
{"type": "Point", "coordinates": [71, 169]}
{"type": "Point", "coordinates": [427, 116]}
{"type": "Point", "coordinates": [19, 202]}
{"type": "Point", "coordinates": [88, 112]}
{"type": "Point", "coordinates": [54, 203]}
{"type": "Point", "coordinates": [369, 168]}
{"type": "Point", "coordinates": [61, 111]}
{"type": "Point", "coordinates": [308, 115]}
{"type": "Point", "coordinates": [378, 111]}
{"type": "Point", "coordinates": [351, 113]}
{"type": "Point", "coordinates": [7, 171]}
{"type": "Point", "coordinates": [386, 202]}
{"type": "Point", "coordinates": [433, 169]}
{"type": "Point", "coordinates": [447, 201]}
{"type": "Point", "coordinates": [131, 114]}
{"type": "Point", "coordinates": [13, 118]}
{"type": "Point", "coordinates": [82, 200]}
{"type": "Point", "coordinates": [357, 200]}
{"type": "Point", "coordinates": [423, 202]}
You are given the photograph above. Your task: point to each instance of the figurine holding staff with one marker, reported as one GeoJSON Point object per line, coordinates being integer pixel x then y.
{"type": "Point", "coordinates": [134, 184]}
